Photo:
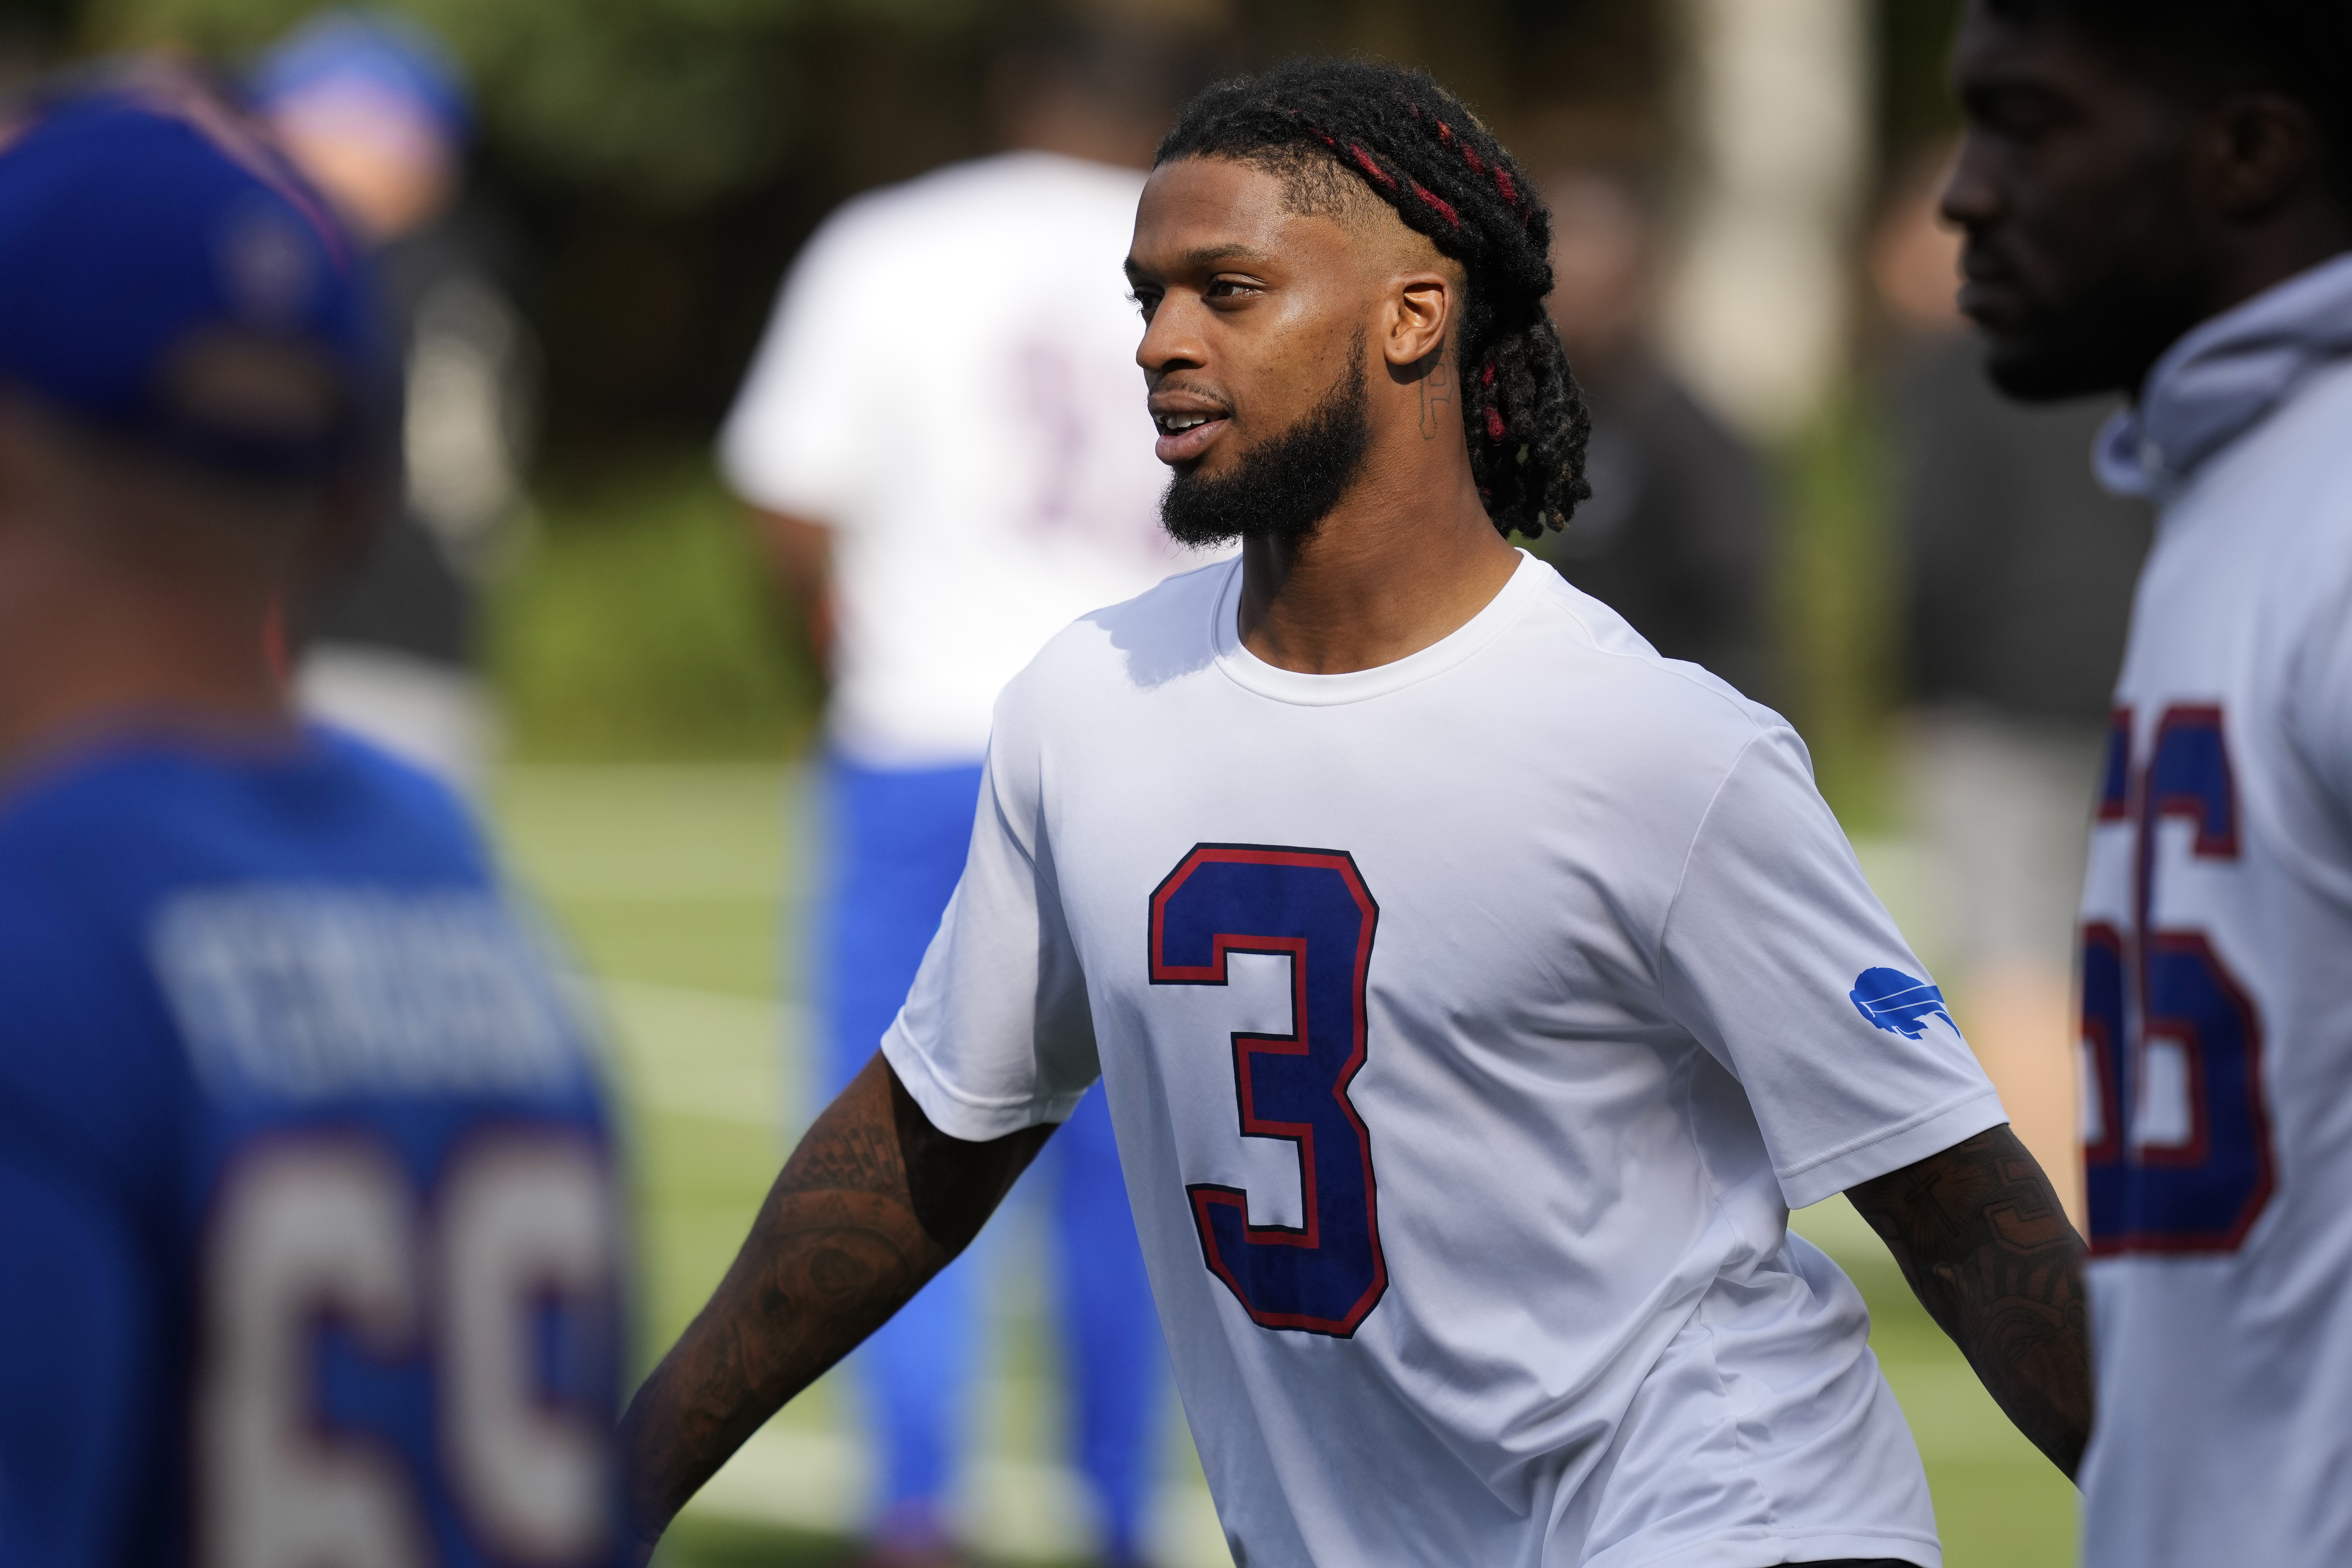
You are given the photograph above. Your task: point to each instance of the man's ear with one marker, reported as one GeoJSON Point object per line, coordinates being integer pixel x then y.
{"type": "Point", "coordinates": [1420, 313]}
{"type": "Point", "coordinates": [2257, 150]}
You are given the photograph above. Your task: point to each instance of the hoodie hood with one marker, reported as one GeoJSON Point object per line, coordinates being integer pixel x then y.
{"type": "Point", "coordinates": [2222, 378]}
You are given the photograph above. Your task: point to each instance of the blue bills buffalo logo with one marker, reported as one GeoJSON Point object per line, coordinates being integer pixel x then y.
{"type": "Point", "coordinates": [1897, 1001]}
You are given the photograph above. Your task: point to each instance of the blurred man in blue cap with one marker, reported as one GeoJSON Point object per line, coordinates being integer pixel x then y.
{"type": "Point", "coordinates": [306, 1188]}
{"type": "Point", "coordinates": [373, 109]}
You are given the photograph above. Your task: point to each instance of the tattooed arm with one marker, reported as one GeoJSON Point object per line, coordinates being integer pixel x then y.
{"type": "Point", "coordinates": [1982, 1238]}
{"type": "Point", "coordinates": [873, 1203]}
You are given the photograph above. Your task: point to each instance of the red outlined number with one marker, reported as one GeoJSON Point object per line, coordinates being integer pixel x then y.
{"type": "Point", "coordinates": [322, 1232]}
{"type": "Point", "coordinates": [2177, 1154]}
{"type": "Point", "coordinates": [1325, 1275]}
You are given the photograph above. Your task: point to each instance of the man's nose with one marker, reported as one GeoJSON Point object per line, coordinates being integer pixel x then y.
{"type": "Point", "coordinates": [1970, 197]}
{"type": "Point", "coordinates": [1171, 339]}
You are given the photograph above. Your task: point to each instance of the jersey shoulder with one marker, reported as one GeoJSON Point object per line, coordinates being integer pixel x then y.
{"type": "Point", "coordinates": [2257, 544]}
{"type": "Point", "coordinates": [1165, 633]}
{"type": "Point", "coordinates": [92, 847]}
{"type": "Point", "coordinates": [956, 202]}
{"type": "Point", "coordinates": [388, 794]}
{"type": "Point", "coordinates": [1581, 651]}
{"type": "Point", "coordinates": [147, 812]}
{"type": "Point", "coordinates": [983, 184]}
{"type": "Point", "coordinates": [1564, 642]}
{"type": "Point", "coordinates": [1581, 709]}
{"type": "Point", "coordinates": [2290, 476]}
{"type": "Point", "coordinates": [172, 914]}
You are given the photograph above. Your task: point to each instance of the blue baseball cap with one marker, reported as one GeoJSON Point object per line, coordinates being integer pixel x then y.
{"type": "Point", "coordinates": [167, 279]}
{"type": "Point", "coordinates": [372, 50]}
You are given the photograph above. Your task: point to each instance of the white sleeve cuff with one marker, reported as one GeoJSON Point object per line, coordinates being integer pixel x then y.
{"type": "Point", "coordinates": [973, 1118]}
{"type": "Point", "coordinates": [1930, 1133]}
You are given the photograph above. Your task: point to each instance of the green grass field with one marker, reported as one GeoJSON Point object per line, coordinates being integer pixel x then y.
{"type": "Point", "coordinates": [678, 889]}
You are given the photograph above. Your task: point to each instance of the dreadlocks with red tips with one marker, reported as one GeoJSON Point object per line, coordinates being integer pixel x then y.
{"type": "Point", "coordinates": [1413, 144]}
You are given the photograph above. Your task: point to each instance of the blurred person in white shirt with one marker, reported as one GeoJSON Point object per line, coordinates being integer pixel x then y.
{"type": "Point", "coordinates": [942, 480]}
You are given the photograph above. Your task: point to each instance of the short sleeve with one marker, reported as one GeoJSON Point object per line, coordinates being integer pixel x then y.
{"type": "Point", "coordinates": [996, 1035]}
{"type": "Point", "coordinates": [1780, 959]}
{"type": "Point", "coordinates": [798, 437]}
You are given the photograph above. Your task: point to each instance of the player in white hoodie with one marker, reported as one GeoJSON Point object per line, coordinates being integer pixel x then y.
{"type": "Point", "coordinates": [2156, 199]}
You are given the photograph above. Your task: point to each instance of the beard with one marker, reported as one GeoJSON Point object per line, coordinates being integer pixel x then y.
{"type": "Point", "coordinates": [2102, 337]}
{"type": "Point", "coordinates": [2106, 344]}
{"type": "Point", "coordinates": [1283, 488]}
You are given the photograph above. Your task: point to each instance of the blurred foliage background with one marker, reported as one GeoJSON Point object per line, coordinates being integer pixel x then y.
{"type": "Point", "coordinates": [640, 628]}
{"type": "Point", "coordinates": [657, 162]}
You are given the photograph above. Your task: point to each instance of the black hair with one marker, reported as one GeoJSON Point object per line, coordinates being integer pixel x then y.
{"type": "Point", "coordinates": [1326, 125]}
{"type": "Point", "coordinates": [2301, 49]}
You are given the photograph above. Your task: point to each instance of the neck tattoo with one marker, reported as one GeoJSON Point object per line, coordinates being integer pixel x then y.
{"type": "Point", "coordinates": [1437, 394]}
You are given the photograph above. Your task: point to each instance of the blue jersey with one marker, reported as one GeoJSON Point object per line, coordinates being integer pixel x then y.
{"type": "Point", "coordinates": [308, 1248]}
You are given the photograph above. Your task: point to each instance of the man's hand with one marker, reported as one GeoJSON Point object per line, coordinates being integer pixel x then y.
{"type": "Point", "coordinates": [874, 1202]}
{"type": "Point", "coordinates": [1982, 1237]}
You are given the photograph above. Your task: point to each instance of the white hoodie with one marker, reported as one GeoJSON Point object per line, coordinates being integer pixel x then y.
{"type": "Point", "coordinates": [2218, 961]}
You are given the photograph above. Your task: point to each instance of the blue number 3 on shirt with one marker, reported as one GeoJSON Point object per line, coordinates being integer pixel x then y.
{"type": "Point", "coordinates": [1327, 1274]}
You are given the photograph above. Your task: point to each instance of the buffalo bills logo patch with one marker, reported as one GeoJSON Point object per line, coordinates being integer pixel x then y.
{"type": "Point", "coordinates": [1897, 1001]}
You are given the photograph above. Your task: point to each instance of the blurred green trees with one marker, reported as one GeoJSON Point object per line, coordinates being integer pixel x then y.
{"type": "Point", "coordinates": [674, 101]}
{"type": "Point", "coordinates": [641, 626]}
{"type": "Point", "coordinates": [657, 162]}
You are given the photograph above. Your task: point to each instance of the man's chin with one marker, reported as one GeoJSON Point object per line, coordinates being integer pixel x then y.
{"type": "Point", "coordinates": [2037, 368]}
{"type": "Point", "coordinates": [2103, 340]}
{"type": "Point", "coordinates": [1280, 487]}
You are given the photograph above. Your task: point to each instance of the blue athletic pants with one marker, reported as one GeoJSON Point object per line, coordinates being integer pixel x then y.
{"type": "Point", "coordinates": [896, 844]}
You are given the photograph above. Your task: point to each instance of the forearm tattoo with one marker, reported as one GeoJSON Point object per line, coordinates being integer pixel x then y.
{"type": "Point", "coordinates": [873, 1203]}
{"type": "Point", "coordinates": [1979, 1234]}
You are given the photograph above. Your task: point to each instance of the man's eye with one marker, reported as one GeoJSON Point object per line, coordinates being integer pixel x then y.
{"type": "Point", "coordinates": [1143, 304]}
{"type": "Point", "coordinates": [2018, 116]}
{"type": "Point", "coordinates": [1226, 288]}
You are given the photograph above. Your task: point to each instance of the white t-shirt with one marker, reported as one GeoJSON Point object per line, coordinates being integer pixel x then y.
{"type": "Point", "coordinates": [950, 384]}
{"type": "Point", "coordinates": [1469, 1024]}
{"type": "Point", "coordinates": [2218, 1022]}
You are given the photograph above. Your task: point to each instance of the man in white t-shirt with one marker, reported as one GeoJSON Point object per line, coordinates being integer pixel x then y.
{"type": "Point", "coordinates": [2158, 199]}
{"type": "Point", "coordinates": [942, 451]}
{"type": "Point", "coordinates": [1475, 991]}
